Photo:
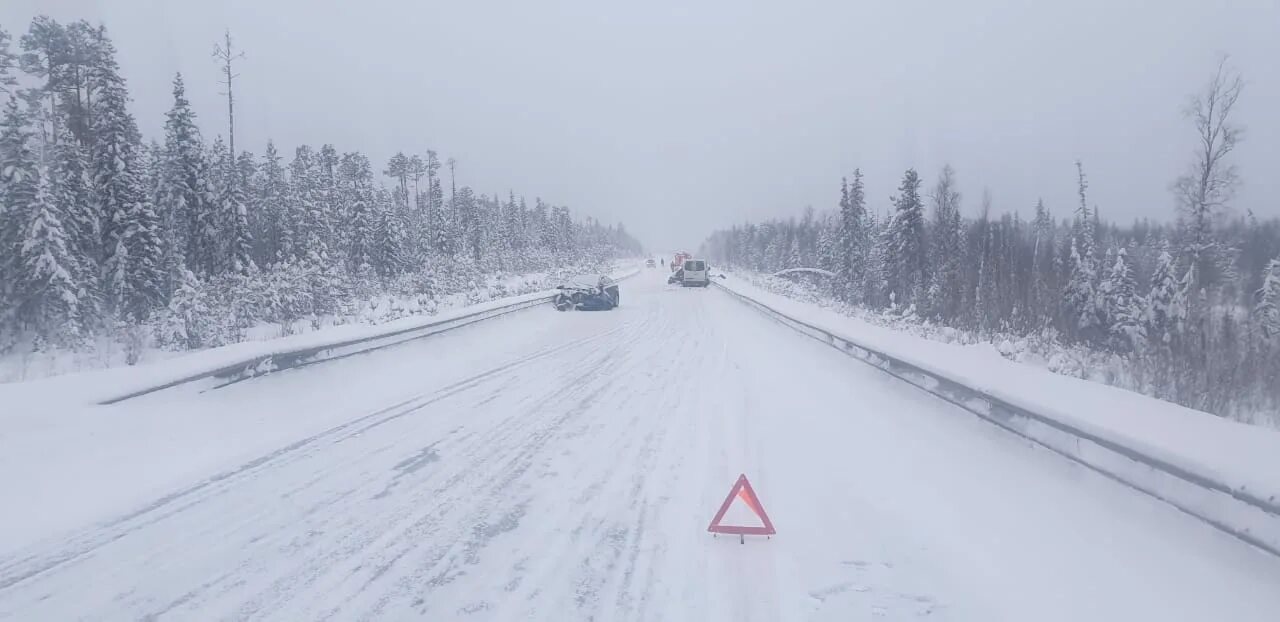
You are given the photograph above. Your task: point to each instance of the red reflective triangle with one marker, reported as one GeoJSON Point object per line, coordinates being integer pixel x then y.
{"type": "Point", "coordinates": [742, 488]}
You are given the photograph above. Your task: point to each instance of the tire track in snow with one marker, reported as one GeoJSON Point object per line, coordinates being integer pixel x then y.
{"type": "Point", "coordinates": [35, 562]}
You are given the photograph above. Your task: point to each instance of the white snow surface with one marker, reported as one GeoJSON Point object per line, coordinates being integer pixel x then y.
{"type": "Point", "coordinates": [1242, 457]}
{"type": "Point", "coordinates": [564, 466]}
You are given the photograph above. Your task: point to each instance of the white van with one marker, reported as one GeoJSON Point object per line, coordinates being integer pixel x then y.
{"type": "Point", "coordinates": [695, 274]}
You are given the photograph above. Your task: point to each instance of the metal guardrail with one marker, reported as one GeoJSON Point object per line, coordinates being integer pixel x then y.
{"type": "Point", "coordinates": [1237, 512]}
{"type": "Point", "coordinates": [262, 364]}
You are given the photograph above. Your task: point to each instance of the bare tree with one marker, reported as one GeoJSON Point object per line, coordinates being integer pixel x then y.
{"type": "Point", "coordinates": [226, 55]}
{"type": "Point", "coordinates": [1205, 189]}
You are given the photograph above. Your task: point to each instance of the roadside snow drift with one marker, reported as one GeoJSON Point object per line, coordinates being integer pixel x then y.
{"type": "Point", "coordinates": [1224, 472]}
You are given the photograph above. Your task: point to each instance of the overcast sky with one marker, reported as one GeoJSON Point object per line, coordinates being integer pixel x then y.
{"type": "Point", "coordinates": [679, 119]}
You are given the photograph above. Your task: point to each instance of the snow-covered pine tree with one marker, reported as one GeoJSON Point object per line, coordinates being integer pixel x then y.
{"type": "Point", "coordinates": [563, 228]}
{"type": "Point", "coordinates": [46, 50]}
{"type": "Point", "coordinates": [947, 287]}
{"type": "Point", "coordinates": [133, 278]}
{"type": "Point", "coordinates": [47, 290]}
{"type": "Point", "coordinates": [417, 168]}
{"type": "Point", "coordinates": [909, 269]}
{"type": "Point", "coordinates": [1267, 306]}
{"type": "Point", "coordinates": [1083, 226]}
{"type": "Point", "coordinates": [182, 196]}
{"type": "Point", "coordinates": [470, 229]}
{"type": "Point", "coordinates": [69, 190]}
{"type": "Point", "coordinates": [1124, 310]}
{"type": "Point", "coordinates": [280, 225]}
{"type": "Point", "coordinates": [16, 163]}
{"type": "Point", "coordinates": [18, 188]}
{"type": "Point", "coordinates": [187, 325]}
{"type": "Point", "coordinates": [851, 239]}
{"type": "Point", "coordinates": [1080, 295]}
{"type": "Point", "coordinates": [213, 226]}
{"type": "Point", "coordinates": [1103, 290]}
{"type": "Point", "coordinates": [236, 203]}
{"type": "Point", "coordinates": [1166, 302]}
{"type": "Point", "coordinates": [1044, 290]}
{"type": "Point", "coordinates": [355, 179]}
{"type": "Point", "coordinates": [398, 169]}
{"type": "Point", "coordinates": [389, 234]}
{"type": "Point", "coordinates": [8, 60]}
{"type": "Point", "coordinates": [330, 199]}
{"type": "Point", "coordinates": [828, 249]}
{"type": "Point", "coordinates": [314, 231]}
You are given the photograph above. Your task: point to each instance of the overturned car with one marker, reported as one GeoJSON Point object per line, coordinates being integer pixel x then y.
{"type": "Point", "coordinates": [583, 296]}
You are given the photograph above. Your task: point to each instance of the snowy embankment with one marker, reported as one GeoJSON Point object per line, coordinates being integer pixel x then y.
{"type": "Point", "coordinates": [1222, 471]}
{"type": "Point", "coordinates": [230, 363]}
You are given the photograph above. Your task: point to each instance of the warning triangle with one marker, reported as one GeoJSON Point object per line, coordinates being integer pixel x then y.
{"type": "Point", "coordinates": [742, 490]}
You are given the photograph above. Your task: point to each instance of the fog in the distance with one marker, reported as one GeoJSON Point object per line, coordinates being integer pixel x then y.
{"type": "Point", "coordinates": [676, 118]}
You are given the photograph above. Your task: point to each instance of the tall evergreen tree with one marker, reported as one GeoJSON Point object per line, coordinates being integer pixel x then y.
{"type": "Point", "coordinates": [906, 242]}
{"type": "Point", "coordinates": [183, 194]}
{"type": "Point", "coordinates": [852, 240]}
{"type": "Point", "coordinates": [235, 204]}
{"type": "Point", "coordinates": [18, 186]}
{"type": "Point", "coordinates": [1267, 307]}
{"type": "Point", "coordinates": [8, 61]}
{"type": "Point", "coordinates": [1166, 302]}
{"type": "Point", "coordinates": [947, 289]}
{"type": "Point", "coordinates": [48, 295]}
{"type": "Point", "coordinates": [70, 194]}
{"type": "Point", "coordinates": [279, 222]}
{"type": "Point", "coordinates": [133, 253]}
{"type": "Point", "coordinates": [1123, 307]}
{"type": "Point", "coordinates": [356, 179]}
{"type": "Point", "coordinates": [315, 231]}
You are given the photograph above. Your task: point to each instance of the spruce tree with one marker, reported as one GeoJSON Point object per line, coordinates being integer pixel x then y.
{"type": "Point", "coordinates": [852, 240]}
{"type": "Point", "coordinates": [48, 294]}
{"type": "Point", "coordinates": [947, 286]}
{"type": "Point", "coordinates": [907, 243]}
{"type": "Point", "coordinates": [18, 189]}
{"type": "Point", "coordinates": [70, 194]}
{"type": "Point", "coordinates": [1166, 302]}
{"type": "Point", "coordinates": [235, 206]}
{"type": "Point", "coordinates": [182, 196]}
{"type": "Point", "coordinates": [1122, 304]}
{"type": "Point", "coordinates": [8, 61]}
{"type": "Point", "coordinates": [356, 180]}
{"type": "Point", "coordinates": [273, 205]}
{"type": "Point", "coordinates": [1267, 307]}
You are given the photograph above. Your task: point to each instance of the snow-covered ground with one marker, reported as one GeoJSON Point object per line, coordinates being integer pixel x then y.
{"type": "Point", "coordinates": [563, 466]}
{"type": "Point", "coordinates": [1243, 457]}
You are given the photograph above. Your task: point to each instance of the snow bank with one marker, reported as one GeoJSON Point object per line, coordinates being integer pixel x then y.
{"type": "Point", "coordinates": [1222, 471]}
{"type": "Point", "coordinates": [234, 362]}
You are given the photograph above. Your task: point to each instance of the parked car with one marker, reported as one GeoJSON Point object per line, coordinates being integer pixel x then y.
{"type": "Point", "coordinates": [581, 295]}
{"type": "Point", "coordinates": [694, 273]}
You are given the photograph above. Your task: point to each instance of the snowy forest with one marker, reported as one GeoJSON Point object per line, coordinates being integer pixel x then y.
{"type": "Point", "coordinates": [184, 242]}
{"type": "Point", "coordinates": [1188, 311]}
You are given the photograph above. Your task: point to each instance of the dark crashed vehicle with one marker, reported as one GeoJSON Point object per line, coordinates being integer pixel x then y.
{"type": "Point", "coordinates": [583, 296]}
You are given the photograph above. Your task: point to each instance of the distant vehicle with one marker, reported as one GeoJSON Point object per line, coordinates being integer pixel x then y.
{"type": "Point", "coordinates": [694, 274]}
{"type": "Point", "coordinates": [678, 262]}
{"type": "Point", "coordinates": [581, 295]}
{"type": "Point", "coordinates": [649, 263]}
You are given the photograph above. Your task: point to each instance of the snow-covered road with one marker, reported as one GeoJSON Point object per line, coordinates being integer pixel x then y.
{"type": "Point", "coordinates": [564, 466]}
